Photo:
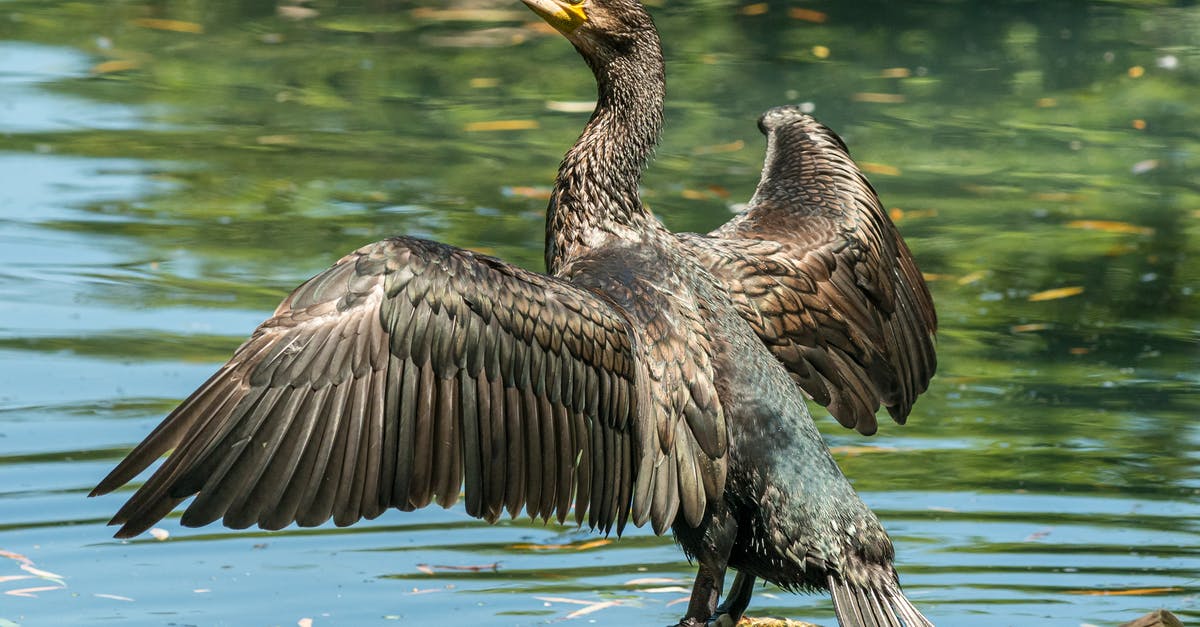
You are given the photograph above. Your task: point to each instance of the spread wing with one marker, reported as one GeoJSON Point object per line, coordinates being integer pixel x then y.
{"type": "Point", "coordinates": [406, 371]}
{"type": "Point", "coordinates": [682, 437]}
{"type": "Point", "coordinates": [822, 275]}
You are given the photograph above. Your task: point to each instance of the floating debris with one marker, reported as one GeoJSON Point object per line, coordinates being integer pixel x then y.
{"type": "Point", "coordinates": [174, 26]}
{"type": "Point", "coordinates": [1110, 226]}
{"type": "Point", "coordinates": [808, 15]}
{"type": "Point", "coordinates": [114, 66]}
{"type": "Point", "coordinates": [879, 168]}
{"type": "Point", "coordinates": [502, 125]}
{"type": "Point", "coordinates": [878, 98]}
{"type": "Point", "coordinates": [1056, 293]}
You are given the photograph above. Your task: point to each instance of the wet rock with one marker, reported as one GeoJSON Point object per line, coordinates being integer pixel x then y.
{"type": "Point", "coordinates": [1157, 618]}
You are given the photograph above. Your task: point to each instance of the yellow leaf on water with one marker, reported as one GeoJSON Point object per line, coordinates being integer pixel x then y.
{"type": "Point", "coordinates": [593, 544]}
{"type": "Point", "coordinates": [972, 277]}
{"type": "Point", "coordinates": [930, 276]}
{"type": "Point", "coordinates": [693, 194]}
{"type": "Point", "coordinates": [895, 72]}
{"type": "Point", "coordinates": [807, 15]}
{"type": "Point", "coordinates": [502, 125]}
{"type": "Point", "coordinates": [880, 168]}
{"type": "Point", "coordinates": [1126, 592]}
{"type": "Point", "coordinates": [864, 96]}
{"type": "Point", "coordinates": [115, 65]}
{"type": "Point", "coordinates": [175, 26]}
{"type": "Point", "coordinates": [1056, 293]}
{"type": "Point", "coordinates": [820, 52]}
{"type": "Point", "coordinates": [583, 546]}
{"type": "Point", "coordinates": [758, 8]}
{"type": "Point", "coordinates": [304, 622]}
{"type": "Point", "coordinates": [1110, 226]}
{"type": "Point", "coordinates": [1029, 328]}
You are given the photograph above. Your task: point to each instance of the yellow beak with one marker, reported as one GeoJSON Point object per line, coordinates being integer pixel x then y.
{"type": "Point", "coordinates": [561, 15]}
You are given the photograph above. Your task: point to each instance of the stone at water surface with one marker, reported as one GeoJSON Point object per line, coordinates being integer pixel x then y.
{"type": "Point", "coordinates": [1157, 618]}
{"type": "Point", "coordinates": [773, 622]}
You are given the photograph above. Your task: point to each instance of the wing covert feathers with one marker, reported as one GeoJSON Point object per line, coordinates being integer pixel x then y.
{"type": "Point", "coordinates": [819, 271]}
{"type": "Point", "coordinates": [405, 372]}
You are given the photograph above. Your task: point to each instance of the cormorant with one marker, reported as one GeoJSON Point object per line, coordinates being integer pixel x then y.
{"type": "Point", "coordinates": [633, 381]}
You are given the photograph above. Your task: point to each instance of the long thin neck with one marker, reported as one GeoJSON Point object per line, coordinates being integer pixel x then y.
{"type": "Point", "coordinates": [595, 195]}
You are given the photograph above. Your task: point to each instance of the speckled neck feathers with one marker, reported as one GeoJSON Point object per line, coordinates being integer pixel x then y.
{"type": "Point", "coordinates": [595, 196]}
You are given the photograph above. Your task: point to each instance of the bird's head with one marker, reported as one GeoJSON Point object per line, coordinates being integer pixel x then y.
{"type": "Point", "coordinates": [600, 29]}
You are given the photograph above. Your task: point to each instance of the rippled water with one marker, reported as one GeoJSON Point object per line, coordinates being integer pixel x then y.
{"type": "Point", "coordinates": [168, 170]}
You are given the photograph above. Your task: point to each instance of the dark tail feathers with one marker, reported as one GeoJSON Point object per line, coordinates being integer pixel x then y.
{"type": "Point", "coordinates": [884, 606]}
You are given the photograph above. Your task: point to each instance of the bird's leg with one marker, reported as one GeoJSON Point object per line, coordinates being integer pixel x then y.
{"type": "Point", "coordinates": [705, 592]}
{"type": "Point", "coordinates": [710, 544]}
{"type": "Point", "coordinates": [736, 602]}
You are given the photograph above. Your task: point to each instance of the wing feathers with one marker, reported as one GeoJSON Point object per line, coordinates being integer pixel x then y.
{"type": "Point", "coordinates": [410, 382]}
{"type": "Point", "coordinates": [472, 454]}
{"type": "Point", "coordinates": [819, 271]}
{"type": "Point", "coordinates": [420, 488]}
{"type": "Point", "coordinates": [410, 370]}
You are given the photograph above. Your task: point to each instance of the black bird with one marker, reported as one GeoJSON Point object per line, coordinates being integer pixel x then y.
{"type": "Point", "coordinates": [633, 381]}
